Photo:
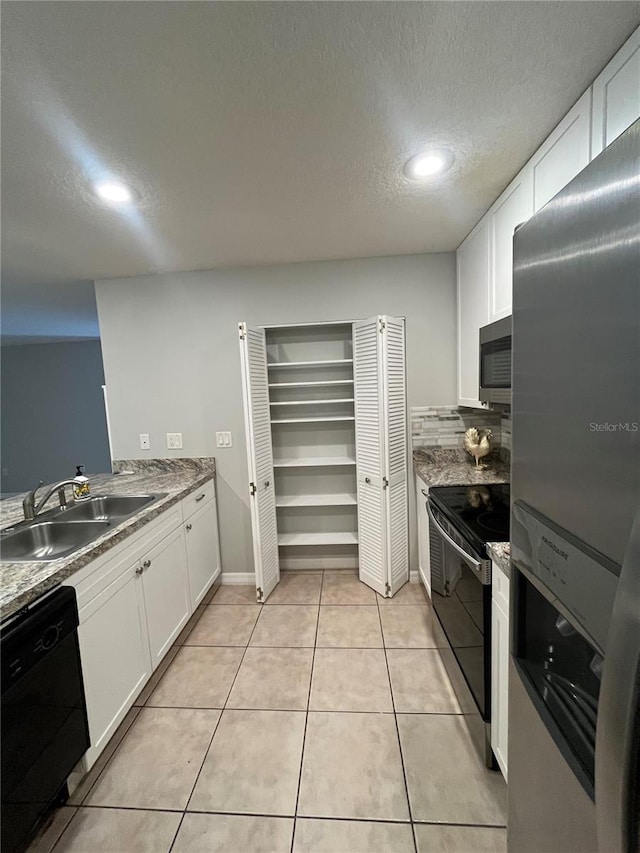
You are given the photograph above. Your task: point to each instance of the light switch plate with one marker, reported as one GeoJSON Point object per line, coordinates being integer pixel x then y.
{"type": "Point", "coordinates": [174, 440]}
{"type": "Point", "coordinates": [223, 439]}
{"type": "Point", "coordinates": [145, 444]}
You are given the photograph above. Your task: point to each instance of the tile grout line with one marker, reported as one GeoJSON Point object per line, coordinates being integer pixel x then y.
{"type": "Point", "coordinates": [395, 719]}
{"type": "Point", "coordinates": [213, 734]}
{"type": "Point", "coordinates": [306, 717]}
{"type": "Point", "coordinates": [224, 706]}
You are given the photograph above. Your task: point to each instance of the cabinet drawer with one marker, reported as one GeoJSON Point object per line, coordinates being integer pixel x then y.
{"type": "Point", "coordinates": [500, 587]}
{"type": "Point", "coordinates": [201, 496]}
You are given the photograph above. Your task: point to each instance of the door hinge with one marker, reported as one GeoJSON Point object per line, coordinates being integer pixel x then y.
{"type": "Point", "coordinates": [241, 330]}
{"type": "Point", "coordinates": [385, 483]}
{"type": "Point", "coordinates": [259, 594]}
{"type": "Point", "coordinates": [381, 325]}
{"type": "Point", "coordinates": [252, 489]}
{"type": "Point", "coordinates": [388, 589]}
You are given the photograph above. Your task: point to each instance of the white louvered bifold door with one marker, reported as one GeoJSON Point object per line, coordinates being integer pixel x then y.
{"type": "Point", "coordinates": [257, 421]}
{"type": "Point", "coordinates": [395, 431]}
{"type": "Point", "coordinates": [368, 393]}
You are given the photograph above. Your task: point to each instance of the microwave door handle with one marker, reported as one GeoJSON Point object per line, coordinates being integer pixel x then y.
{"type": "Point", "coordinates": [618, 729]}
{"type": "Point", "coordinates": [467, 558]}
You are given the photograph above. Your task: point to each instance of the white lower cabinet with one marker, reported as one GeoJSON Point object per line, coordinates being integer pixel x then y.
{"type": "Point", "coordinates": [203, 550]}
{"type": "Point", "coordinates": [133, 602]}
{"type": "Point", "coordinates": [423, 533]}
{"type": "Point", "coordinates": [166, 593]}
{"type": "Point", "coordinates": [500, 666]}
{"type": "Point", "coordinates": [114, 649]}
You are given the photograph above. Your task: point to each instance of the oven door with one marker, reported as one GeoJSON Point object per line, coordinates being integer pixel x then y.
{"type": "Point", "coordinates": [461, 596]}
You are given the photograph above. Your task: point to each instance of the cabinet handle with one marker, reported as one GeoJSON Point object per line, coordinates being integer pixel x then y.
{"type": "Point", "coordinates": [267, 484]}
{"type": "Point", "coordinates": [146, 564]}
{"type": "Point", "coordinates": [424, 493]}
{"type": "Point", "coordinates": [201, 497]}
{"type": "Point", "coordinates": [367, 480]}
{"type": "Point", "coordinates": [189, 526]}
{"type": "Point", "coordinates": [139, 570]}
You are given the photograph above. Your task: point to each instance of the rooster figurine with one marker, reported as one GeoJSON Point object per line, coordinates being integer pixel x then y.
{"type": "Point", "coordinates": [478, 445]}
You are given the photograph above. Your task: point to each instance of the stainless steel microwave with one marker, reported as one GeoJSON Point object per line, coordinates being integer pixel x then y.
{"type": "Point", "coordinates": [495, 362]}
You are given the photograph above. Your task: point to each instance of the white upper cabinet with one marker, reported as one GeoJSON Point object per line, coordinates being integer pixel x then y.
{"type": "Point", "coordinates": [616, 95]}
{"type": "Point", "coordinates": [473, 259]}
{"type": "Point", "coordinates": [563, 154]}
{"type": "Point", "coordinates": [514, 206]}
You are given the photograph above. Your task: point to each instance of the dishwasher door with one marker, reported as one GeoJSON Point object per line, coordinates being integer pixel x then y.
{"type": "Point", "coordinates": [44, 728]}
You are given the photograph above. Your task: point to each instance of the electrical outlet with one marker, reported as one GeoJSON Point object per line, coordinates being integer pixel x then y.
{"type": "Point", "coordinates": [223, 439]}
{"type": "Point", "coordinates": [174, 440]}
{"type": "Point", "coordinates": [145, 444]}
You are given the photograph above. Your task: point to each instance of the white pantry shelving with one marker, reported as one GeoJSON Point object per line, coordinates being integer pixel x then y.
{"type": "Point", "coordinates": [313, 462]}
{"type": "Point", "coordinates": [315, 502]}
{"type": "Point", "coordinates": [344, 499]}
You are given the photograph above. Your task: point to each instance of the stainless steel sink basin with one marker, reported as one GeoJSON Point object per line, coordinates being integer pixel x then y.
{"type": "Point", "coordinates": [108, 507]}
{"type": "Point", "coordinates": [49, 540]}
{"type": "Point", "coordinates": [60, 532]}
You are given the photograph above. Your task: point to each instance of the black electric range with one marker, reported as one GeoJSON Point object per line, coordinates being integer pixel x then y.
{"type": "Point", "coordinates": [462, 519]}
{"type": "Point", "coordinates": [480, 513]}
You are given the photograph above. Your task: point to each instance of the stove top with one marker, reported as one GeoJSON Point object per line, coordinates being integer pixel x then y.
{"type": "Point", "coordinates": [480, 513]}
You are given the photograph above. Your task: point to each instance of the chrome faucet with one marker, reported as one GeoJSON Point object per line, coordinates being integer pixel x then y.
{"type": "Point", "coordinates": [29, 506]}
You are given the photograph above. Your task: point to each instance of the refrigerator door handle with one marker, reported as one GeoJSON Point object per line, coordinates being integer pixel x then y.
{"type": "Point", "coordinates": [617, 765]}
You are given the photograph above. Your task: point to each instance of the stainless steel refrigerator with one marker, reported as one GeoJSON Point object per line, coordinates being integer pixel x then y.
{"type": "Point", "coordinates": [574, 686]}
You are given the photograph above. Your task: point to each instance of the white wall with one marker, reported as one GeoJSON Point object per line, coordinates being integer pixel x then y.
{"type": "Point", "coordinates": [172, 362]}
{"type": "Point", "coordinates": [52, 413]}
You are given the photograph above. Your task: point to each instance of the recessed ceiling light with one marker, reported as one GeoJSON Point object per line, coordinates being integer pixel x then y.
{"type": "Point", "coordinates": [114, 192]}
{"type": "Point", "coordinates": [429, 163]}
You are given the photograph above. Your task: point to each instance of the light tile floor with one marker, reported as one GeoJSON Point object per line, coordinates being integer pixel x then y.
{"type": "Point", "coordinates": [321, 722]}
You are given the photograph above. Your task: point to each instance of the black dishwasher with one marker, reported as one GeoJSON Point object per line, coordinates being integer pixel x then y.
{"type": "Point", "coordinates": [44, 726]}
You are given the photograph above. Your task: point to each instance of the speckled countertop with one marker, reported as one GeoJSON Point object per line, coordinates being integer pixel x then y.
{"type": "Point", "coordinates": [22, 583]}
{"type": "Point", "coordinates": [441, 467]}
{"type": "Point", "coordinates": [500, 553]}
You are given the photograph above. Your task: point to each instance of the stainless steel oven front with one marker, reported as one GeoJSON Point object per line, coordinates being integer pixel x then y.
{"type": "Point", "coordinates": [461, 596]}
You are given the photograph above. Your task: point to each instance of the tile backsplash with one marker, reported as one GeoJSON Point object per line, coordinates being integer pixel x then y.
{"type": "Point", "coordinates": [445, 426]}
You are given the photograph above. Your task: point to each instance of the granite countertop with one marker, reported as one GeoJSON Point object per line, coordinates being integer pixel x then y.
{"type": "Point", "coordinates": [21, 583]}
{"type": "Point", "coordinates": [441, 467]}
{"type": "Point", "coordinates": [500, 553]}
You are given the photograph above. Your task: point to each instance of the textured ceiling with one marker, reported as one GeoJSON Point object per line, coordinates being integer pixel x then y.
{"type": "Point", "coordinates": [260, 133]}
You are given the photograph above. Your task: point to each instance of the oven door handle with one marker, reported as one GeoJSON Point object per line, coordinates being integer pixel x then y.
{"type": "Point", "coordinates": [477, 565]}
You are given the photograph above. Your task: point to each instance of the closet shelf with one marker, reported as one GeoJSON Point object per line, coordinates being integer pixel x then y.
{"type": "Point", "coordinates": [316, 500]}
{"type": "Point", "coordinates": [332, 363]}
{"type": "Point", "coordinates": [313, 420]}
{"type": "Point", "coordinates": [313, 462]}
{"type": "Point", "coordinates": [324, 538]}
{"type": "Point", "coordinates": [313, 402]}
{"type": "Point", "coordinates": [314, 384]}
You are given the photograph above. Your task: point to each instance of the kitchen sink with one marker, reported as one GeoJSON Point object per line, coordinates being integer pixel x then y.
{"type": "Point", "coordinates": [59, 532]}
{"type": "Point", "coordinates": [108, 507]}
{"type": "Point", "coordinates": [49, 540]}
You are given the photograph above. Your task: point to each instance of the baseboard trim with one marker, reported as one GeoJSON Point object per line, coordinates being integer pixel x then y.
{"type": "Point", "coordinates": [424, 582]}
{"type": "Point", "coordinates": [237, 578]}
{"type": "Point", "coordinates": [414, 577]}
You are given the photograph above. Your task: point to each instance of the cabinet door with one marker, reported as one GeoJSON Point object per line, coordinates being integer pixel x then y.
{"type": "Point", "coordinates": [616, 95]}
{"type": "Point", "coordinates": [257, 419]}
{"type": "Point", "coordinates": [203, 551]}
{"type": "Point", "coordinates": [499, 676]}
{"type": "Point", "coordinates": [473, 311]}
{"type": "Point", "coordinates": [423, 534]}
{"type": "Point", "coordinates": [114, 649]}
{"type": "Point", "coordinates": [166, 593]}
{"type": "Point", "coordinates": [514, 206]}
{"type": "Point", "coordinates": [565, 152]}
{"type": "Point", "coordinates": [381, 452]}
